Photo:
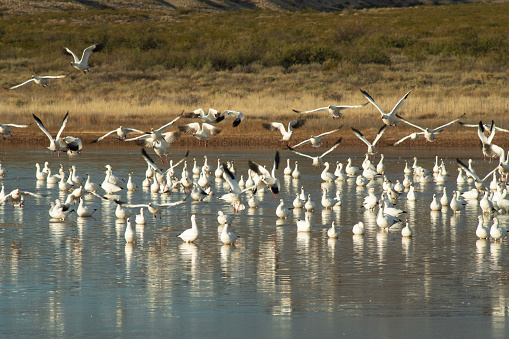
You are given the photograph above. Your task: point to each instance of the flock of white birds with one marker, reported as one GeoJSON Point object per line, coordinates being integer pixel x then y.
{"type": "Point", "coordinates": [492, 198]}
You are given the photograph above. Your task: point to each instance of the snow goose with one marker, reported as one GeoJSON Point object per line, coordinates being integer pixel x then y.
{"type": "Point", "coordinates": [482, 232]}
{"type": "Point", "coordinates": [358, 229]}
{"type": "Point", "coordinates": [131, 187]}
{"type": "Point", "coordinates": [497, 232]}
{"type": "Point", "coordinates": [337, 199]}
{"type": "Point", "coordinates": [486, 204]}
{"type": "Point", "coordinates": [302, 195]}
{"type": "Point", "coordinates": [385, 220]}
{"type": "Point", "coordinates": [429, 133]}
{"type": "Point", "coordinates": [408, 170]}
{"type": "Point", "coordinates": [297, 202]}
{"type": "Point", "coordinates": [108, 186]}
{"type": "Point", "coordinates": [239, 116]}
{"type": "Point", "coordinates": [340, 175]}
{"type": "Point", "coordinates": [5, 129]}
{"type": "Point", "coordinates": [411, 195]}
{"type": "Point", "coordinates": [304, 225]}
{"type": "Point", "coordinates": [371, 145]}
{"type": "Point", "coordinates": [227, 236]}
{"type": "Point", "coordinates": [40, 80]}
{"type": "Point", "coordinates": [296, 173]}
{"type": "Point", "coordinates": [407, 181]}
{"type": "Point", "coordinates": [361, 180]}
{"type": "Point", "coordinates": [472, 194]}
{"type": "Point", "coordinates": [326, 175]}
{"type": "Point", "coordinates": [266, 177]}
{"type": "Point", "coordinates": [327, 203]}
{"type": "Point", "coordinates": [317, 161]}
{"type": "Point", "coordinates": [371, 200]}
{"type": "Point", "coordinates": [121, 133]}
{"type": "Point", "coordinates": [223, 218]}
{"type": "Point", "coordinates": [140, 217]}
{"type": "Point", "coordinates": [153, 208]}
{"type": "Point", "coordinates": [435, 204]}
{"type": "Point", "coordinates": [252, 202]}
{"type": "Point", "coordinates": [16, 196]}
{"type": "Point", "coordinates": [129, 234]}
{"type": "Point", "coordinates": [57, 143]}
{"type": "Point", "coordinates": [462, 178]}
{"type": "Point", "coordinates": [350, 169]}
{"type": "Point", "coordinates": [84, 211]}
{"type": "Point", "coordinates": [211, 117]}
{"type": "Point", "coordinates": [457, 204]}
{"type": "Point", "coordinates": [288, 170]}
{"type": "Point", "coordinates": [479, 183]}
{"type": "Point", "coordinates": [122, 212]}
{"type": "Point", "coordinates": [399, 187]}
{"type": "Point", "coordinates": [191, 234]}
{"type": "Point", "coordinates": [315, 140]}
{"type": "Point", "coordinates": [218, 173]}
{"type": "Point", "coordinates": [40, 175]}
{"type": "Point", "coordinates": [201, 132]}
{"type": "Point", "coordinates": [333, 110]}
{"type": "Point", "coordinates": [287, 134]}
{"type": "Point", "coordinates": [91, 186]}
{"type": "Point", "coordinates": [488, 148]}
{"type": "Point", "coordinates": [380, 167]}
{"type": "Point", "coordinates": [444, 200]}
{"type": "Point", "coordinates": [388, 118]}
{"type": "Point", "coordinates": [82, 64]}
{"type": "Point", "coordinates": [281, 211]}
{"type": "Point", "coordinates": [407, 230]}
{"type": "Point", "coordinates": [309, 205]}
{"type": "Point", "coordinates": [333, 232]}
{"type": "Point", "coordinates": [59, 211]}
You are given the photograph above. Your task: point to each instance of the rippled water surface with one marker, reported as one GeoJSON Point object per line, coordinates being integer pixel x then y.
{"type": "Point", "coordinates": [79, 278]}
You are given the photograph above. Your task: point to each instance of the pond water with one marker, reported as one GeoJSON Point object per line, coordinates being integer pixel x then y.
{"type": "Point", "coordinates": [78, 277]}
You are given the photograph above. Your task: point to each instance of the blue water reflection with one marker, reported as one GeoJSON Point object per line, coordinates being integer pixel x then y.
{"type": "Point", "coordinates": [78, 277]}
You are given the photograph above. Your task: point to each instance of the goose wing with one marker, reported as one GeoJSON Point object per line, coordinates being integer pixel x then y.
{"type": "Point", "coordinates": [64, 122]}
{"type": "Point", "coordinates": [89, 50]}
{"type": "Point", "coordinates": [321, 109]}
{"type": "Point", "coordinates": [370, 99]}
{"type": "Point", "coordinates": [24, 83]}
{"type": "Point", "coordinates": [379, 134]}
{"type": "Point", "coordinates": [400, 102]}
{"type": "Point", "coordinates": [360, 136]}
{"type": "Point", "coordinates": [76, 59]}
{"type": "Point", "coordinates": [336, 144]}
{"type": "Point", "coordinates": [403, 139]}
{"type": "Point", "coordinates": [103, 136]}
{"type": "Point", "coordinates": [409, 123]}
{"type": "Point", "coordinates": [41, 126]}
{"type": "Point", "coordinates": [441, 128]}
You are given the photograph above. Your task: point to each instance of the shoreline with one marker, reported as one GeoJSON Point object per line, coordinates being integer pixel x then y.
{"type": "Point", "coordinates": [467, 139]}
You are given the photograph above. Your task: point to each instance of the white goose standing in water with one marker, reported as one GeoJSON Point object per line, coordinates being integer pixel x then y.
{"type": "Point", "coordinates": [191, 234]}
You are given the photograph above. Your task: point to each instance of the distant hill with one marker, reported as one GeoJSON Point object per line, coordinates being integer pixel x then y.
{"type": "Point", "coordinates": [22, 7]}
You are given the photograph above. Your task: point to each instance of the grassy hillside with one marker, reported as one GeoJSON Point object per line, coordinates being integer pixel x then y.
{"type": "Point", "coordinates": [263, 63]}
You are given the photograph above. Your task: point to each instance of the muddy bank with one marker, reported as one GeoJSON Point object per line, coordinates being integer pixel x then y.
{"type": "Point", "coordinates": [468, 139]}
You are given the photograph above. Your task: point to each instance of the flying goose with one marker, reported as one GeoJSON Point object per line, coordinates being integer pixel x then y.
{"type": "Point", "coordinates": [334, 110]}
{"type": "Point", "coordinates": [388, 118]}
{"type": "Point", "coordinates": [40, 80]}
{"type": "Point", "coordinates": [82, 64]}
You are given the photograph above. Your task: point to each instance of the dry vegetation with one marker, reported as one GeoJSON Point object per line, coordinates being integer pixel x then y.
{"type": "Point", "coordinates": [263, 64]}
